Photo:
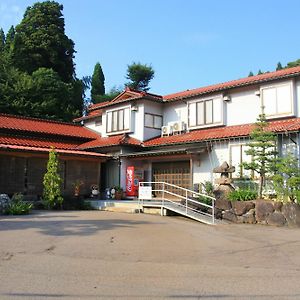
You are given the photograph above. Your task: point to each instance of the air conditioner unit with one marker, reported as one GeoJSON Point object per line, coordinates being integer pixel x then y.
{"type": "Point", "coordinates": [178, 127]}
{"type": "Point", "coordinates": [166, 130]}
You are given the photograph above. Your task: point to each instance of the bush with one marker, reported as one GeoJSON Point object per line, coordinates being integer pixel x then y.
{"type": "Point", "coordinates": [242, 195]}
{"type": "Point", "coordinates": [205, 200]}
{"type": "Point", "coordinates": [17, 206]}
{"type": "Point", "coordinates": [75, 203]}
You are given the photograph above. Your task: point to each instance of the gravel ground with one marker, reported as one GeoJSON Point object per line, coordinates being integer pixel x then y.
{"type": "Point", "coordinates": [104, 255]}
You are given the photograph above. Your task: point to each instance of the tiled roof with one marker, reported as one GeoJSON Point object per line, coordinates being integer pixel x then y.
{"type": "Point", "coordinates": [62, 151]}
{"type": "Point", "coordinates": [114, 140]}
{"type": "Point", "coordinates": [285, 73]}
{"type": "Point", "coordinates": [125, 96]}
{"type": "Point", "coordinates": [37, 142]}
{"type": "Point", "coordinates": [34, 125]}
{"type": "Point", "coordinates": [222, 133]}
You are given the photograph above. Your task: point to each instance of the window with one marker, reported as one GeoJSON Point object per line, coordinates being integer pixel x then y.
{"type": "Point", "coordinates": [98, 121]}
{"type": "Point", "coordinates": [237, 158]}
{"type": "Point", "coordinates": [153, 121]}
{"type": "Point", "coordinates": [118, 120]}
{"type": "Point", "coordinates": [277, 100]}
{"type": "Point", "coordinates": [205, 112]}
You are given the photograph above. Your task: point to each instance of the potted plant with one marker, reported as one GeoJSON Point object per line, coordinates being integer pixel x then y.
{"type": "Point", "coordinates": [77, 184]}
{"type": "Point", "coordinates": [118, 192]}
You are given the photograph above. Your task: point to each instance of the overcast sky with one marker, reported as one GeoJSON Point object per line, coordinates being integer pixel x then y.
{"type": "Point", "coordinates": [190, 43]}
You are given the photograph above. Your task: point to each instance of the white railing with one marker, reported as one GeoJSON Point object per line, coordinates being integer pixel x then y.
{"type": "Point", "coordinates": [164, 194]}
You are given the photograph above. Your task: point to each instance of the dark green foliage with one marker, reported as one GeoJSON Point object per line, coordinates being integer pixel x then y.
{"type": "Point", "coordinates": [76, 203]}
{"type": "Point", "coordinates": [292, 64]}
{"type": "Point", "coordinates": [287, 178]}
{"type": "Point", "coordinates": [260, 72]}
{"type": "Point", "coordinates": [52, 183]}
{"type": "Point", "coordinates": [40, 41]}
{"type": "Point", "coordinates": [139, 76]}
{"type": "Point", "coordinates": [242, 195]}
{"type": "Point", "coordinates": [17, 206]}
{"type": "Point", "coordinates": [2, 40]}
{"type": "Point", "coordinates": [97, 84]}
{"type": "Point", "coordinates": [9, 39]}
{"type": "Point", "coordinates": [262, 149]}
{"type": "Point", "coordinates": [279, 66]}
{"type": "Point", "coordinates": [205, 200]}
{"type": "Point", "coordinates": [250, 74]}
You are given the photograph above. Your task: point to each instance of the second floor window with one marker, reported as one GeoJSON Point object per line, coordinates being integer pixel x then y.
{"type": "Point", "coordinates": [153, 121]}
{"type": "Point", "coordinates": [205, 112]}
{"type": "Point", "coordinates": [277, 100]}
{"type": "Point", "coordinates": [118, 120]}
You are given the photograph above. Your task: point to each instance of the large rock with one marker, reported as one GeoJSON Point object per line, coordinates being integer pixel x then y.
{"type": "Point", "coordinates": [276, 218]}
{"type": "Point", "coordinates": [229, 215]}
{"type": "Point", "coordinates": [291, 211]}
{"type": "Point", "coordinates": [263, 209]}
{"type": "Point", "coordinates": [4, 201]}
{"type": "Point", "coordinates": [222, 204]}
{"type": "Point", "coordinates": [241, 207]}
{"type": "Point", "coordinates": [222, 191]}
{"type": "Point", "coordinates": [278, 205]}
{"type": "Point", "coordinates": [249, 217]}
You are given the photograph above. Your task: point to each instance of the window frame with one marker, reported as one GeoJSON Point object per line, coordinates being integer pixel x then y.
{"type": "Point", "coordinates": [153, 120]}
{"type": "Point", "coordinates": [292, 97]}
{"type": "Point", "coordinates": [204, 113]}
{"type": "Point", "coordinates": [118, 128]}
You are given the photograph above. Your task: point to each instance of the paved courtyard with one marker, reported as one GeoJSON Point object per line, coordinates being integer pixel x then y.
{"type": "Point", "coordinates": [103, 255]}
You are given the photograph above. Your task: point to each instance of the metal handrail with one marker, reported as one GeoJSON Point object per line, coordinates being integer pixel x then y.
{"type": "Point", "coordinates": [187, 199]}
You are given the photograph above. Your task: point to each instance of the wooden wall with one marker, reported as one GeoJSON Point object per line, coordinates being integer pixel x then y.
{"type": "Point", "coordinates": [25, 174]}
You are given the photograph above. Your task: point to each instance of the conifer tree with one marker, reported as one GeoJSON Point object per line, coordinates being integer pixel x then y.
{"type": "Point", "coordinates": [97, 84]}
{"type": "Point", "coordinates": [250, 74]}
{"type": "Point", "coordinates": [279, 66]}
{"type": "Point", "coordinates": [260, 72]}
{"type": "Point", "coordinates": [262, 149]}
{"type": "Point", "coordinates": [52, 181]}
{"type": "Point", "coordinates": [2, 40]}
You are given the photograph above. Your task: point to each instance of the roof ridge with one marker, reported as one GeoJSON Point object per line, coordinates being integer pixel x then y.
{"type": "Point", "coordinates": [248, 80]}
{"type": "Point", "coordinates": [38, 119]}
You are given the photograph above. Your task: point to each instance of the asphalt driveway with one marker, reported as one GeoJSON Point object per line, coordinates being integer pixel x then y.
{"type": "Point", "coordinates": [103, 255]}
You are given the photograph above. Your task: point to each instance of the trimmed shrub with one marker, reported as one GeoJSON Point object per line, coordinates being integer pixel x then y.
{"type": "Point", "coordinates": [242, 195]}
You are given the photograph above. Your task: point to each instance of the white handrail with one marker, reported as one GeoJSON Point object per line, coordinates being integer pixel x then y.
{"type": "Point", "coordinates": [186, 198]}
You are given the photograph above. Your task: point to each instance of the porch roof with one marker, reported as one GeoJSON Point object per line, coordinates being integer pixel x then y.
{"type": "Point", "coordinates": [225, 132]}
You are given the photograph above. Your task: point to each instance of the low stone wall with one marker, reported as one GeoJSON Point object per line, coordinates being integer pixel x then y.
{"type": "Point", "coordinates": [260, 212]}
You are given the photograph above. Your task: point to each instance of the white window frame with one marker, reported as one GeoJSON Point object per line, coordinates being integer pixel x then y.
{"type": "Point", "coordinates": [204, 100]}
{"type": "Point", "coordinates": [153, 116]}
{"type": "Point", "coordinates": [291, 111]}
{"type": "Point", "coordinates": [118, 129]}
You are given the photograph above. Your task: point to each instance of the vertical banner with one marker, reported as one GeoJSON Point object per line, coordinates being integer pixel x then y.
{"type": "Point", "coordinates": [130, 190]}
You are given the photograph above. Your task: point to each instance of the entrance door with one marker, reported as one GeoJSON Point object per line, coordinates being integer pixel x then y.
{"type": "Point", "coordinates": [177, 173]}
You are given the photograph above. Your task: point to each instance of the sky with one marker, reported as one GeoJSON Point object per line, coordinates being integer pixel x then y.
{"type": "Point", "coordinates": [189, 43]}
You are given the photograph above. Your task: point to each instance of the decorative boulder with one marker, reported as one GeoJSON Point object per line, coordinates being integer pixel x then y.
{"type": "Point", "coordinates": [278, 206]}
{"type": "Point", "coordinates": [291, 211]}
{"type": "Point", "coordinates": [4, 201]}
{"type": "Point", "coordinates": [229, 215]}
{"type": "Point", "coordinates": [263, 209]}
{"type": "Point", "coordinates": [222, 204]}
{"type": "Point", "coordinates": [249, 217]}
{"type": "Point", "coordinates": [276, 218]}
{"type": "Point", "coordinates": [241, 207]}
{"type": "Point", "coordinates": [222, 191]}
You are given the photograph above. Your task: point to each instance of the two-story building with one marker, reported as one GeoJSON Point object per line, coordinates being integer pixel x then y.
{"type": "Point", "coordinates": [179, 138]}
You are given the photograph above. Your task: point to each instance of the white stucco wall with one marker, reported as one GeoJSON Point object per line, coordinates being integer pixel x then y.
{"type": "Point", "coordinates": [176, 111]}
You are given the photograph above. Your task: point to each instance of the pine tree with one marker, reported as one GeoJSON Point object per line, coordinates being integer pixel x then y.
{"type": "Point", "coordinates": [52, 182]}
{"type": "Point", "coordinates": [2, 40]}
{"type": "Point", "coordinates": [250, 74]}
{"type": "Point", "coordinates": [139, 76]}
{"type": "Point", "coordinates": [262, 149]}
{"type": "Point", "coordinates": [9, 39]}
{"type": "Point", "coordinates": [260, 72]}
{"type": "Point", "coordinates": [279, 66]}
{"type": "Point", "coordinates": [97, 84]}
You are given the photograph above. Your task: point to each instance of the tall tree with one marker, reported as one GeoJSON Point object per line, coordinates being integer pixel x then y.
{"type": "Point", "coordinates": [52, 182]}
{"type": "Point", "coordinates": [260, 72]}
{"type": "Point", "coordinates": [250, 74]}
{"type": "Point", "coordinates": [2, 40]}
{"type": "Point", "coordinates": [97, 84]}
{"type": "Point", "coordinates": [9, 39]}
{"type": "Point", "coordinates": [262, 149]}
{"type": "Point", "coordinates": [279, 66]}
{"type": "Point", "coordinates": [139, 76]}
{"type": "Point", "coordinates": [40, 41]}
